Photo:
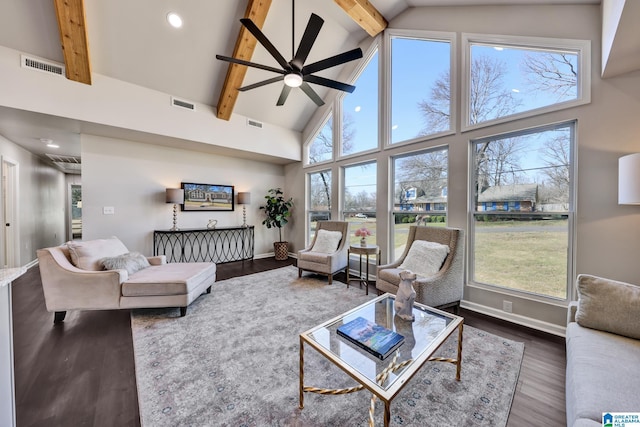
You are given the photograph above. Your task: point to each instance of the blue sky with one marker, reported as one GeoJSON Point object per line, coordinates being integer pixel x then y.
{"type": "Point", "coordinates": [416, 66]}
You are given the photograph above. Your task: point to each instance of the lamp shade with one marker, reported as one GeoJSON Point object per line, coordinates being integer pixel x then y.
{"type": "Point", "coordinates": [629, 180]}
{"type": "Point", "coordinates": [244, 198]}
{"type": "Point", "coordinates": [175, 195]}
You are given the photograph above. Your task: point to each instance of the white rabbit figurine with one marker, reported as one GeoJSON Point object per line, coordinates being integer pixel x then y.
{"type": "Point", "coordinates": [406, 296]}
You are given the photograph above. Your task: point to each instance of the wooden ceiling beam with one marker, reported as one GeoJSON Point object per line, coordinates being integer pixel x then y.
{"type": "Point", "coordinates": [365, 14]}
{"type": "Point", "coordinates": [245, 45]}
{"type": "Point", "coordinates": [74, 40]}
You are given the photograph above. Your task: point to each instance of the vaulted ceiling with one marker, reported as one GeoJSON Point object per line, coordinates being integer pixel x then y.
{"type": "Point", "coordinates": [131, 41]}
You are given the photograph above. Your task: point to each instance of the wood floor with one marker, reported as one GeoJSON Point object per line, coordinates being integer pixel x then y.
{"type": "Point", "coordinates": [81, 372]}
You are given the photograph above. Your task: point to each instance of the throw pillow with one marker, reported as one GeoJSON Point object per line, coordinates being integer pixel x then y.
{"type": "Point", "coordinates": [608, 305]}
{"type": "Point", "coordinates": [87, 254]}
{"type": "Point", "coordinates": [425, 258]}
{"type": "Point", "coordinates": [326, 241]}
{"type": "Point", "coordinates": [132, 262]}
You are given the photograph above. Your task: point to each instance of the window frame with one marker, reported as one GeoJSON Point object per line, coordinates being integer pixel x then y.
{"type": "Point", "coordinates": [386, 82]}
{"type": "Point", "coordinates": [581, 47]}
{"type": "Point", "coordinates": [392, 185]}
{"type": "Point", "coordinates": [570, 213]}
{"type": "Point", "coordinates": [308, 210]}
{"type": "Point", "coordinates": [339, 104]}
{"type": "Point", "coordinates": [326, 116]}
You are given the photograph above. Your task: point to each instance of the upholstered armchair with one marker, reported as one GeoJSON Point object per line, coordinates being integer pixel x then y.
{"type": "Point", "coordinates": [437, 259]}
{"type": "Point", "coordinates": [327, 253]}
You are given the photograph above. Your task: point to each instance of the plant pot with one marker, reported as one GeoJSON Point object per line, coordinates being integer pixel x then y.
{"type": "Point", "coordinates": [281, 250]}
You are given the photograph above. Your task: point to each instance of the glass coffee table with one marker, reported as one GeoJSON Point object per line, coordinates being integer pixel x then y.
{"type": "Point", "coordinates": [383, 378]}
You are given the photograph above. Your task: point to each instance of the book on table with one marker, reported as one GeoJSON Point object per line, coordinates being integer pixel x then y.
{"type": "Point", "coordinates": [370, 336]}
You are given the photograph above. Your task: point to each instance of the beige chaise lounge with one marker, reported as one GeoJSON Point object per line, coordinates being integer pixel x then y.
{"type": "Point", "coordinates": [74, 278]}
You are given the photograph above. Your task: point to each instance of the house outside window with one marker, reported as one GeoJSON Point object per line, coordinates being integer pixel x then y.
{"type": "Point", "coordinates": [359, 199]}
{"type": "Point", "coordinates": [523, 211]}
{"type": "Point", "coordinates": [419, 193]}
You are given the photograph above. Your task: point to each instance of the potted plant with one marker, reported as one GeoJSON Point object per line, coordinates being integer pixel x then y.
{"type": "Point", "coordinates": [278, 211]}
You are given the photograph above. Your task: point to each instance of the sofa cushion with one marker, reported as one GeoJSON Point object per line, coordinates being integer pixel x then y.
{"type": "Point", "coordinates": [326, 241]}
{"type": "Point", "coordinates": [320, 258]}
{"type": "Point", "coordinates": [602, 373]}
{"type": "Point", "coordinates": [608, 305]}
{"type": "Point", "coordinates": [425, 258]}
{"type": "Point", "coordinates": [169, 279]}
{"type": "Point", "coordinates": [131, 261]}
{"type": "Point", "coordinates": [87, 254]}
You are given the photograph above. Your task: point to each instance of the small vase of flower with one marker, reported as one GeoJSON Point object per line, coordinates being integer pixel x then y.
{"type": "Point", "coordinates": [363, 233]}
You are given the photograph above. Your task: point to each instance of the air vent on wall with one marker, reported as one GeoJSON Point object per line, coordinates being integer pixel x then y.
{"type": "Point", "coordinates": [179, 103]}
{"type": "Point", "coordinates": [42, 65]}
{"type": "Point", "coordinates": [254, 123]}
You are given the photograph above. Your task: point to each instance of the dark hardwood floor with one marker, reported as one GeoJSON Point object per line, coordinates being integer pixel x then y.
{"type": "Point", "coordinates": [82, 373]}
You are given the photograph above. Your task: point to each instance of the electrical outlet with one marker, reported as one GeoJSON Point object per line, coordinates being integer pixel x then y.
{"type": "Point", "coordinates": [507, 306]}
{"type": "Point", "coordinates": [108, 210]}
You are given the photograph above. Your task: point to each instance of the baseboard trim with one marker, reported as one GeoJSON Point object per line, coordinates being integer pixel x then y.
{"type": "Point", "coordinates": [515, 318]}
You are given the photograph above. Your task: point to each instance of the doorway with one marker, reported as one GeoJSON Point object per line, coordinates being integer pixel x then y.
{"type": "Point", "coordinates": [76, 212]}
{"type": "Point", "coordinates": [10, 246]}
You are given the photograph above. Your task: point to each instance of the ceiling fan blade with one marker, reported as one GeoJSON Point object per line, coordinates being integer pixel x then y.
{"type": "Point", "coordinates": [249, 64]}
{"type": "Point", "coordinates": [264, 41]}
{"type": "Point", "coordinates": [308, 39]}
{"type": "Point", "coordinates": [283, 95]}
{"type": "Point", "coordinates": [329, 83]}
{"type": "Point", "coordinates": [332, 61]}
{"type": "Point", "coordinates": [259, 84]}
{"type": "Point", "coordinates": [311, 94]}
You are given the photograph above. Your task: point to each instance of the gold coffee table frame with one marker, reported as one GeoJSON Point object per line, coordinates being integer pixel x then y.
{"type": "Point", "coordinates": [394, 372]}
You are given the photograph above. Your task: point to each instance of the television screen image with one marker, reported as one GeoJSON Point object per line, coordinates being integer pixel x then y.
{"type": "Point", "coordinates": [207, 197]}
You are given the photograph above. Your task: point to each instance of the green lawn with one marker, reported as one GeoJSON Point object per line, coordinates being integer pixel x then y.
{"type": "Point", "coordinates": [528, 255]}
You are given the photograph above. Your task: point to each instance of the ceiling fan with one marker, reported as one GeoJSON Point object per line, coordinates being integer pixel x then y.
{"type": "Point", "coordinates": [295, 73]}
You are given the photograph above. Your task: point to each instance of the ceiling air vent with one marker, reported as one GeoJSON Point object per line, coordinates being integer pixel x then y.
{"type": "Point", "coordinates": [68, 164]}
{"type": "Point", "coordinates": [183, 104]}
{"type": "Point", "coordinates": [41, 65]}
{"type": "Point", "coordinates": [254, 123]}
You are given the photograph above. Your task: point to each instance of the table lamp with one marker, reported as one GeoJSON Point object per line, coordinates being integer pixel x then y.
{"type": "Point", "coordinates": [244, 199]}
{"type": "Point", "coordinates": [629, 179]}
{"type": "Point", "coordinates": [175, 196]}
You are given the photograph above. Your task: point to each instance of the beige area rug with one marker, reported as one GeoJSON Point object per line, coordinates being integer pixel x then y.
{"type": "Point", "coordinates": [234, 361]}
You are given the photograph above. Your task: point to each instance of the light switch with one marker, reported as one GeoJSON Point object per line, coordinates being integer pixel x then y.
{"type": "Point", "coordinates": [108, 210]}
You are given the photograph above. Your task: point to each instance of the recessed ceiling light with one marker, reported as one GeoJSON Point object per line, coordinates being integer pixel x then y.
{"type": "Point", "coordinates": [174, 20]}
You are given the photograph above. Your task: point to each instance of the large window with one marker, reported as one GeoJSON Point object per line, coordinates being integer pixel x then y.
{"type": "Point", "coordinates": [319, 199]}
{"type": "Point", "coordinates": [420, 87]}
{"type": "Point", "coordinates": [419, 194]}
{"type": "Point", "coordinates": [360, 112]}
{"type": "Point", "coordinates": [522, 210]}
{"type": "Point", "coordinates": [359, 198]}
{"type": "Point", "coordinates": [518, 76]}
{"type": "Point", "coordinates": [321, 148]}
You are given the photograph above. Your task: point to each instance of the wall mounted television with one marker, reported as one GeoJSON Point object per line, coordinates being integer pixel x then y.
{"type": "Point", "coordinates": [208, 197]}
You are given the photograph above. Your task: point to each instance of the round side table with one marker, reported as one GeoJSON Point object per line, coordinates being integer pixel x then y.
{"type": "Point", "coordinates": [362, 250]}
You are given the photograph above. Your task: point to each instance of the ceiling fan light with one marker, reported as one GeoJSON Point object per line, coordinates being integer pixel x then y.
{"type": "Point", "coordinates": [293, 79]}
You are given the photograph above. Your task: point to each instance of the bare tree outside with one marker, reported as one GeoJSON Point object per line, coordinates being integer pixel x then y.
{"type": "Point", "coordinates": [321, 149]}
{"type": "Point", "coordinates": [552, 73]}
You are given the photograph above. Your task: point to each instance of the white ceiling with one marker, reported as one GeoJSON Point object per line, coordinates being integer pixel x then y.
{"type": "Point", "coordinates": [130, 40]}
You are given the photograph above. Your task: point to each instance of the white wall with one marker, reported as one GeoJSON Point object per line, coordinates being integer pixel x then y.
{"type": "Point", "coordinates": [132, 177]}
{"type": "Point", "coordinates": [41, 192]}
{"type": "Point", "coordinates": [607, 235]}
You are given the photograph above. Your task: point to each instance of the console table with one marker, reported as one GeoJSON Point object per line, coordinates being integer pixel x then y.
{"type": "Point", "coordinates": [219, 245]}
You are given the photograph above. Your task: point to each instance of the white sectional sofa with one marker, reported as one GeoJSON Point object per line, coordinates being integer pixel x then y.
{"type": "Point", "coordinates": [603, 351]}
{"type": "Point", "coordinates": [74, 277]}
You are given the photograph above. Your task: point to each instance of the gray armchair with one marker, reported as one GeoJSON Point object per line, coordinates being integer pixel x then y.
{"type": "Point", "coordinates": [326, 263]}
{"type": "Point", "coordinates": [445, 288]}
